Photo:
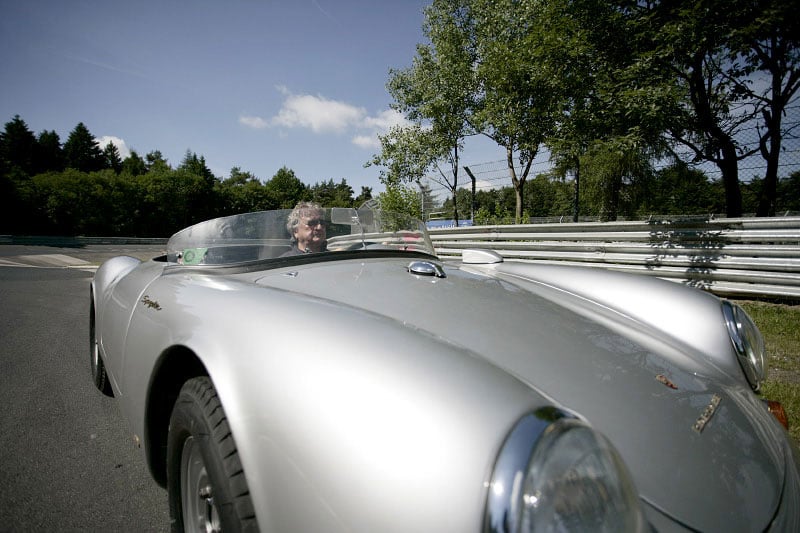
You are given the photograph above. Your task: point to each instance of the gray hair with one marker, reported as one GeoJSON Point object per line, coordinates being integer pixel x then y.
{"type": "Point", "coordinates": [300, 210]}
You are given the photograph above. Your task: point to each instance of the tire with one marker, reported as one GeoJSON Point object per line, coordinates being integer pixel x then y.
{"type": "Point", "coordinates": [99, 374]}
{"type": "Point", "coordinates": [205, 480]}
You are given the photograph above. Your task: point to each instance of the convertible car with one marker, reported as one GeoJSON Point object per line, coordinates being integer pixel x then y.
{"type": "Point", "coordinates": [372, 387]}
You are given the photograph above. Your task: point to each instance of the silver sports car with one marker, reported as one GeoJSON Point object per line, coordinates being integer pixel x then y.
{"type": "Point", "coordinates": [322, 370]}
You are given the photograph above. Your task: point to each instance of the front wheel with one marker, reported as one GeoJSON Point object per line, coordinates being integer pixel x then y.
{"type": "Point", "coordinates": [99, 374]}
{"type": "Point", "coordinates": [206, 483]}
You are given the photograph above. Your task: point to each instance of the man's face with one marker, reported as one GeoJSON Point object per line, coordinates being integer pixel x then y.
{"type": "Point", "coordinates": [310, 231]}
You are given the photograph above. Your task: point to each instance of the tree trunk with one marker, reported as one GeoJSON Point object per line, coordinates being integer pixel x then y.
{"type": "Point", "coordinates": [769, 190]}
{"type": "Point", "coordinates": [729, 167]}
{"type": "Point", "coordinates": [518, 181]}
{"type": "Point", "coordinates": [455, 205]}
{"type": "Point", "coordinates": [576, 200]}
{"type": "Point", "coordinates": [718, 141]}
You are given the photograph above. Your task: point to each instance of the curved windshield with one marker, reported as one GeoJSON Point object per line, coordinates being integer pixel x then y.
{"type": "Point", "coordinates": [291, 232]}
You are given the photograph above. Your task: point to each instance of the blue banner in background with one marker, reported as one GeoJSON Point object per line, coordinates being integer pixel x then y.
{"type": "Point", "coordinates": [447, 223]}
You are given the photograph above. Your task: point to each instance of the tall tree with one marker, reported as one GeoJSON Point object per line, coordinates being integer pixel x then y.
{"type": "Point", "coordinates": [134, 165]}
{"type": "Point", "coordinates": [436, 93]}
{"type": "Point", "coordinates": [285, 189]}
{"type": "Point", "coordinates": [519, 100]}
{"type": "Point", "coordinates": [203, 203]}
{"type": "Point", "coordinates": [364, 196]}
{"type": "Point", "coordinates": [112, 157]}
{"type": "Point", "coordinates": [243, 192]}
{"type": "Point", "coordinates": [767, 38]}
{"type": "Point", "coordinates": [197, 166]}
{"type": "Point", "coordinates": [17, 147]}
{"type": "Point", "coordinates": [696, 60]}
{"type": "Point", "coordinates": [401, 198]}
{"type": "Point", "coordinates": [17, 151]}
{"type": "Point", "coordinates": [82, 151]}
{"type": "Point", "coordinates": [48, 154]}
{"type": "Point", "coordinates": [156, 161]}
{"type": "Point", "coordinates": [330, 194]}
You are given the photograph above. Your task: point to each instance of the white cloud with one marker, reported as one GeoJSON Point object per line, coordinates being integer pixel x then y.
{"type": "Point", "coordinates": [103, 141]}
{"type": "Point", "coordinates": [366, 141]}
{"type": "Point", "coordinates": [379, 125]}
{"type": "Point", "coordinates": [386, 120]}
{"type": "Point", "coordinates": [317, 114]}
{"type": "Point", "coordinates": [323, 115]}
{"type": "Point", "coordinates": [256, 123]}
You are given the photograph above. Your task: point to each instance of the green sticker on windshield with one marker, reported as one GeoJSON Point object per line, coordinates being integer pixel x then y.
{"type": "Point", "coordinates": [194, 256]}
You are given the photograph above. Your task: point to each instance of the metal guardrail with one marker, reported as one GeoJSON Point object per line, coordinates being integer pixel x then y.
{"type": "Point", "coordinates": [741, 257]}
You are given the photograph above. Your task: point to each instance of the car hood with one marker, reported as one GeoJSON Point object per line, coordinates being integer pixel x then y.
{"type": "Point", "coordinates": [647, 395]}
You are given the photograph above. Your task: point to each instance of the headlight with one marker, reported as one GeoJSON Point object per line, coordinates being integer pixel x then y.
{"type": "Point", "coordinates": [747, 342]}
{"type": "Point", "coordinates": [555, 473]}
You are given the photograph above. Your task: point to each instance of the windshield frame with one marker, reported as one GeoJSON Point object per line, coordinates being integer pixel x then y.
{"type": "Point", "coordinates": [265, 238]}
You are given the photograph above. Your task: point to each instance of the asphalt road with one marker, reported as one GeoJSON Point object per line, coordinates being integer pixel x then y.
{"type": "Point", "coordinates": [67, 459]}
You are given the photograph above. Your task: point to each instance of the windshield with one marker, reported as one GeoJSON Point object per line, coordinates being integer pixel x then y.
{"type": "Point", "coordinates": [268, 235]}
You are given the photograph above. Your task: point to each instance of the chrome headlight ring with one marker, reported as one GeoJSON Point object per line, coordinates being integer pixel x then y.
{"type": "Point", "coordinates": [555, 473]}
{"type": "Point", "coordinates": [747, 343]}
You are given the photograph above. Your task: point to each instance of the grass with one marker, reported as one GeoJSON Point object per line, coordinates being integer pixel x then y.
{"type": "Point", "coordinates": [780, 326]}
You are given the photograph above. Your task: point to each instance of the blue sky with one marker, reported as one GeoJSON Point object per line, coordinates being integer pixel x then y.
{"type": "Point", "coordinates": [258, 84]}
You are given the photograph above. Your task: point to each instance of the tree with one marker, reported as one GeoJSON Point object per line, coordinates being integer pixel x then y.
{"type": "Point", "coordinates": [767, 37]}
{"type": "Point", "coordinates": [112, 157]}
{"type": "Point", "coordinates": [134, 165]}
{"type": "Point", "coordinates": [789, 193]}
{"type": "Point", "coordinates": [203, 203]}
{"type": "Point", "coordinates": [409, 152]}
{"type": "Point", "coordinates": [330, 194]}
{"type": "Point", "coordinates": [658, 76]}
{"type": "Point", "coordinates": [173, 199]}
{"type": "Point", "coordinates": [436, 93]}
{"type": "Point", "coordinates": [82, 151]}
{"type": "Point", "coordinates": [285, 190]}
{"type": "Point", "coordinates": [400, 198]}
{"type": "Point", "coordinates": [48, 154]}
{"type": "Point", "coordinates": [365, 196]}
{"type": "Point", "coordinates": [696, 61]}
{"type": "Point", "coordinates": [197, 166]}
{"type": "Point", "coordinates": [17, 147]}
{"type": "Point", "coordinates": [156, 161]}
{"type": "Point", "coordinates": [519, 100]}
{"type": "Point", "coordinates": [242, 192]}
{"type": "Point", "coordinates": [610, 120]}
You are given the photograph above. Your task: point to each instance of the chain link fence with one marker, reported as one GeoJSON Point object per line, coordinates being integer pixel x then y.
{"type": "Point", "coordinates": [495, 174]}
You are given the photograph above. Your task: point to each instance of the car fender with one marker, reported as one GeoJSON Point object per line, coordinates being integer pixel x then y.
{"type": "Point", "coordinates": [300, 397]}
{"type": "Point", "coordinates": [109, 273]}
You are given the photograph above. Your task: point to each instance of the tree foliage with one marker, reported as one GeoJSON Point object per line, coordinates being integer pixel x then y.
{"type": "Point", "coordinates": [17, 147]}
{"type": "Point", "coordinates": [82, 151]}
{"type": "Point", "coordinates": [436, 94]}
{"type": "Point", "coordinates": [332, 194]}
{"type": "Point", "coordinates": [45, 189]}
{"type": "Point", "coordinates": [401, 198]}
{"type": "Point", "coordinates": [608, 87]}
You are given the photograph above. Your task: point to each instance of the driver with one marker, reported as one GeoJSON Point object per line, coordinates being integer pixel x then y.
{"type": "Point", "coordinates": [306, 225]}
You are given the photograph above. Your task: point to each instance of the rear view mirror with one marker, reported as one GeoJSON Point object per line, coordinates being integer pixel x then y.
{"type": "Point", "coordinates": [351, 217]}
{"type": "Point", "coordinates": [344, 215]}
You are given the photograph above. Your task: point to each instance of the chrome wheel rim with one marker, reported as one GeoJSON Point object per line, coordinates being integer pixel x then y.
{"type": "Point", "coordinates": [197, 498]}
